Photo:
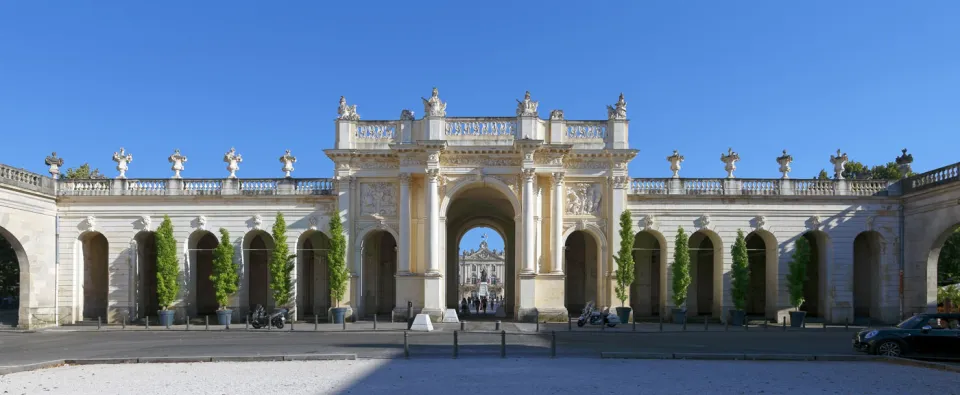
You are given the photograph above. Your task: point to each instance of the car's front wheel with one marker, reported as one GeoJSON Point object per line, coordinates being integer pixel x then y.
{"type": "Point", "coordinates": [889, 348]}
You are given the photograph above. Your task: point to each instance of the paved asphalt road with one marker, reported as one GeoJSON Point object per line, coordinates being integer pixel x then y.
{"type": "Point", "coordinates": [20, 348]}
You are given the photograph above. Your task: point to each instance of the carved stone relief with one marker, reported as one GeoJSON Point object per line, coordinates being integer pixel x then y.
{"type": "Point", "coordinates": [145, 222]}
{"type": "Point", "coordinates": [704, 222]}
{"type": "Point", "coordinates": [551, 159]}
{"type": "Point", "coordinates": [378, 198]}
{"type": "Point", "coordinates": [90, 223]}
{"type": "Point", "coordinates": [581, 164]}
{"type": "Point", "coordinates": [476, 160]}
{"type": "Point", "coordinates": [257, 222]}
{"type": "Point", "coordinates": [583, 199]}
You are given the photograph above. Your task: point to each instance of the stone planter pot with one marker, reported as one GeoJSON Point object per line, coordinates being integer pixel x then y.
{"type": "Point", "coordinates": [224, 316]}
{"type": "Point", "coordinates": [624, 314]}
{"type": "Point", "coordinates": [166, 317]}
{"type": "Point", "coordinates": [797, 318]}
{"type": "Point", "coordinates": [737, 317]}
{"type": "Point", "coordinates": [679, 316]}
{"type": "Point", "coordinates": [339, 314]}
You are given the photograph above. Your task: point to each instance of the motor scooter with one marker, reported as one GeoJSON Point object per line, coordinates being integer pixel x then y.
{"type": "Point", "coordinates": [592, 316]}
{"type": "Point", "coordinates": [260, 319]}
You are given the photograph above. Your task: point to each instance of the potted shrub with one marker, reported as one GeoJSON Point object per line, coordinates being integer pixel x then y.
{"type": "Point", "coordinates": [336, 257]}
{"type": "Point", "coordinates": [796, 279]}
{"type": "Point", "coordinates": [741, 279]}
{"type": "Point", "coordinates": [281, 265]}
{"type": "Point", "coordinates": [225, 279]}
{"type": "Point", "coordinates": [681, 276]}
{"type": "Point", "coordinates": [168, 269]}
{"type": "Point", "coordinates": [624, 258]}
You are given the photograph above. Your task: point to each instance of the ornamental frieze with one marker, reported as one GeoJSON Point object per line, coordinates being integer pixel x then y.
{"type": "Point", "coordinates": [550, 159]}
{"type": "Point", "coordinates": [377, 164]}
{"type": "Point", "coordinates": [378, 198]}
{"type": "Point", "coordinates": [457, 160]}
{"type": "Point", "coordinates": [583, 199]}
{"type": "Point", "coordinates": [579, 164]}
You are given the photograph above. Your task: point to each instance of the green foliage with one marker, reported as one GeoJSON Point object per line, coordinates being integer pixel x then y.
{"type": "Point", "coordinates": [681, 268]}
{"type": "Point", "coordinates": [948, 263]}
{"type": "Point", "coordinates": [950, 294]}
{"type": "Point", "coordinates": [82, 173]}
{"type": "Point", "coordinates": [337, 259]}
{"type": "Point", "coordinates": [168, 268]}
{"type": "Point", "coordinates": [797, 276]}
{"type": "Point", "coordinates": [225, 279]}
{"type": "Point", "coordinates": [624, 258]}
{"type": "Point", "coordinates": [741, 272]}
{"type": "Point", "coordinates": [9, 270]}
{"type": "Point", "coordinates": [854, 170]}
{"type": "Point", "coordinates": [281, 264]}
{"type": "Point", "coordinates": [823, 175]}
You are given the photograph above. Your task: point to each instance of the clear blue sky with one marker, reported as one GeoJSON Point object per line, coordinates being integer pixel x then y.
{"type": "Point", "coordinates": [870, 77]}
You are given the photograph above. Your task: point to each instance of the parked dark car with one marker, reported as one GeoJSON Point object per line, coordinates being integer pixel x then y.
{"type": "Point", "coordinates": [930, 335]}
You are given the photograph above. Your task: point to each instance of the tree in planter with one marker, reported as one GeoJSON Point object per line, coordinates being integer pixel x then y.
{"type": "Point", "coordinates": [741, 277]}
{"type": "Point", "coordinates": [168, 269]}
{"type": "Point", "coordinates": [281, 264]}
{"type": "Point", "coordinates": [681, 269]}
{"type": "Point", "coordinates": [225, 279]}
{"type": "Point", "coordinates": [624, 258]}
{"type": "Point", "coordinates": [336, 258]}
{"type": "Point", "coordinates": [797, 278]}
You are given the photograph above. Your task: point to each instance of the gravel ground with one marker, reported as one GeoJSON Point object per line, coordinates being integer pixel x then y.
{"type": "Point", "coordinates": [561, 376]}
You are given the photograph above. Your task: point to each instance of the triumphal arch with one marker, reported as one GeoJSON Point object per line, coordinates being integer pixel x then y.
{"type": "Point", "coordinates": [407, 190]}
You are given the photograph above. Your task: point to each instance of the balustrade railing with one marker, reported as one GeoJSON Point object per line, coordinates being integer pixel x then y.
{"type": "Point", "coordinates": [26, 180]}
{"type": "Point", "coordinates": [197, 187]}
{"type": "Point", "coordinates": [493, 128]}
{"type": "Point", "coordinates": [88, 187]}
{"type": "Point", "coordinates": [586, 130]}
{"type": "Point", "coordinates": [314, 186]}
{"type": "Point", "coordinates": [202, 187]}
{"type": "Point", "coordinates": [703, 186]}
{"type": "Point", "coordinates": [254, 186]}
{"type": "Point", "coordinates": [759, 187]}
{"type": "Point", "coordinates": [933, 178]}
{"type": "Point", "coordinates": [147, 187]}
{"type": "Point", "coordinates": [648, 186]}
{"type": "Point", "coordinates": [814, 187]}
{"type": "Point", "coordinates": [868, 187]}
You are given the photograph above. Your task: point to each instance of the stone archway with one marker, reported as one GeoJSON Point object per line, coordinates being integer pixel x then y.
{"type": "Point", "coordinates": [13, 280]}
{"type": "Point", "coordinates": [491, 205]}
{"type": "Point", "coordinates": [200, 246]}
{"type": "Point", "coordinates": [649, 285]}
{"type": "Point", "coordinates": [146, 278]}
{"type": "Point", "coordinates": [705, 295]}
{"type": "Point", "coordinates": [815, 300]}
{"type": "Point", "coordinates": [313, 275]}
{"type": "Point", "coordinates": [763, 261]}
{"type": "Point", "coordinates": [582, 267]}
{"type": "Point", "coordinates": [475, 260]}
{"type": "Point", "coordinates": [257, 248]}
{"type": "Point", "coordinates": [94, 250]}
{"type": "Point", "coordinates": [943, 262]}
{"type": "Point", "coordinates": [867, 263]}
{"type": "Point", "coordinates": [378, 271]}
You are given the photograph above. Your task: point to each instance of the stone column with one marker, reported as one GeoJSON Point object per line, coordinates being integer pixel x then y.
{"type": "Point", "coordinates": [618, 203]}
{"type": "Point", "coordinates": [433, 221]}
{"type": "Point", "coordinates": [403, 258]}
{"type": "Point", "coordinates": [529, 237]}
{"type": "Point", "coordinates": [556, 224]}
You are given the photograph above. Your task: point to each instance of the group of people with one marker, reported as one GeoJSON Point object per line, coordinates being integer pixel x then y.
{"type": "Point", "coordinates": [480, 304]}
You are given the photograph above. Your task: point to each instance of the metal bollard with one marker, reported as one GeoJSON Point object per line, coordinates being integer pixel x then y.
{"type": "Point", "coordinates": [846, 325]}
{"type": "Point", "coordinates": [316, 322]}
{"type": "Point", "coordinates": [168, 324]}
{"type": "Point", "coordinates": [456, 345]}
{"type": "Point", "coordinates": [569, 324]}
{"type": "Point", "coordinates": [291, 325]}
{"type": "Point", "coordinates": [206, 322]}
{"type": "Point", "coordinates": [706, 322]}
{"type": "Point", "coordinates": [498, 326]}
{"type": "Point", "coordinates": [765, 325]}
{"type": "Point", "coordinates": [824, 326]}
{"type": "Point", "coordinates": [188, 323]}
{"type": "Point", "coordinates": [661, 323]}
{"type": "Point", "coordinates": [406, 346]}
{"type": "Point", "coordinates": [553, 344]}
{"type": "Point", "coordinates": [684, 323]}
{"type": "Point", "coordinates": [124, 322]}
{"type": "Point", "coordinates": [374, 322]}
{"type": "Point", "coordinates": [784, 324]}
{"type": "Point", "coordinates": [726, 325]}
{"type": "Point", "coordinates": [146, 322]}
{"type": "Point", "coordinates": [746, 325]}
{"type": "Point", "coordinates": [538, 326]}
{"type": "Point", "coordinates": [462, 323]}
{"type": "Point", "coordinates": [503, 344]}
{"type": "Point", "coordinates": [98, 323]}
{"type": "Point", "coordinates": [344, 323]}
{"type": "Point", "coordinates": [269, 324]}
{"type": "Point", "coordinates": [246, 325]}
{"type": "Point", "coordinates": [634, 323]}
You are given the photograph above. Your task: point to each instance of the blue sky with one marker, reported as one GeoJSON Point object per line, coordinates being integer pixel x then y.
{"type": "Point", "coordinates": [870, 77]}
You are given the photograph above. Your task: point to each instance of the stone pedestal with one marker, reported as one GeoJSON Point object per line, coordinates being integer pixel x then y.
{"type": "Point", "coordinates": [450, 317]}
{"type": "Point", "coordinates": [422, 323]}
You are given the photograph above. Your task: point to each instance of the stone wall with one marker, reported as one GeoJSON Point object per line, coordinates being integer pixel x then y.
{"type": "Point", "coordinates": [28, 222]}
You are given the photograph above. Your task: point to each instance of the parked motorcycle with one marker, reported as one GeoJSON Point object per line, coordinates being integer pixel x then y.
{"type": "Point", "coordinates": [592, 316]}
{"type": "Point", "coordinates": [260, 319]}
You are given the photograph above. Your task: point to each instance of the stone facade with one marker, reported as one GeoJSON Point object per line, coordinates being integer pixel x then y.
{"type": "Point", "coordinates": [408, 189]}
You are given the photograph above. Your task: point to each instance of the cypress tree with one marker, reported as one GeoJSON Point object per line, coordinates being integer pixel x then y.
{"type": "Point", "coordinates": [168, 268]}
{"type": "Point", "coordinates": [624, 258]}
{"type": "Point", "coordinates": [741, 272]}
{"type": "Point", "coordinates": [281, 264]}
{"type": "Point", "coordinates": [225, 279]}
{"type": "Point", "coordinates": [336, 256]}
{"type": "Point", "coordinates": [681, 268]}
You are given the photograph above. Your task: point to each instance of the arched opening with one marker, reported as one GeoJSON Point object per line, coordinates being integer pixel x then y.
{"type": "Point", "coordinates": [379, 271]}
{"type": "Point", "coordinates": [474, 206]}
{"type": "Point", "coordinates": [816, 274]}
{"type": "Point", "coordinates": [581, 255]}
{"type": "Point", "coordinates": [706, 270]}
{"type": "Point", "coordinates": [866, 276]}
{"type": "Point", "coordinates": [946, 257]}
{"type": "Point", "coordinates": [11, 258]}
{"type": "Point", "coordinates": [146, 254]}
{"type": "Point", "coordinates": [201, 245]}
{"type": "Point", "coordinates": [313, 276]}
{"type": "Point", "coordinates": [257, 247]}
{"type": "Point", "coordinates": [649, 257]}
{"type": "Point", "coordinates": [481, 270]}
{"type": "Point", "coordinates": [96, 282]}
{"type": "Point", "coordinates": [763, 264]}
